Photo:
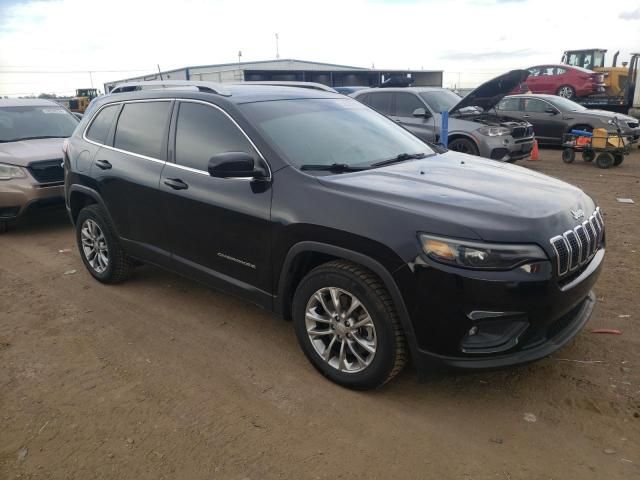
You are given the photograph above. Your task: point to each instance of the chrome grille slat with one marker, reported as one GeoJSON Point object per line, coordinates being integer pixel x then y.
{"type": "Point", "coordinates": [576, 247]}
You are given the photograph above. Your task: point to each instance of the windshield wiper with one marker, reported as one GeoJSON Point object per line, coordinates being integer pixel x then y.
{"type": "Point", "coordinates": [403, 157]}
{"type": "Point", "coordinates": [31, 138]}
{"type": "Point", "coordinates": [334, 168]}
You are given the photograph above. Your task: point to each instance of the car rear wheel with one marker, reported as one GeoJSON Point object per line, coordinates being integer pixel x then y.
{"type": "Point", "coordinates": [604, 160]}
{"type": "Point", "coordinates": [463, 145]}
{"type": "Point", "coordinates": [566, 91]}
{"type": "Point", "coordinates": [4, 226]}
{"type": "Point", "coordinates": [347, 326]}
{"type": "Point", "coordinates": [99, 247]}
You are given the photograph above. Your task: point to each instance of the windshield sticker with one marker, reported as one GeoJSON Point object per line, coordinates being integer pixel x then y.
{"type": "Point", "coordinates": [54, 110]}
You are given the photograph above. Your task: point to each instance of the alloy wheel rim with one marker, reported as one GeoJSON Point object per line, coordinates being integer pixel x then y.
{"type": "Point", "coordinates": [94, 246]}
{"type": "Point", "coordinates": [565, 92]}
{"type": "Point", "coordinates": [341, 330]}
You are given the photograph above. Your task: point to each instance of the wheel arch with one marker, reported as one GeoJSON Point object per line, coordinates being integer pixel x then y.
{"type": "Point", "coordinates": [306, 255]}
{"type": "Point", "coordinates": [79, 197]}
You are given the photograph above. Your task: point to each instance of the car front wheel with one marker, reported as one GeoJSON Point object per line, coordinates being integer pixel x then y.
{"type": "Point", "coordinates": [463, 145]}
{"type": "Point", "coordinates": [348, 327]}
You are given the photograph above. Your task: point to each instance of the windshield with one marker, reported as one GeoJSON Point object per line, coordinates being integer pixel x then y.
{"type": "Point", "coordinates": [28, 122]}
{"type": "Point", "coordinates": [440, 100]}
{"type": "Point", "coordinates": [566, 105]}
{"type": "Point", "coordinates": [331, 131]}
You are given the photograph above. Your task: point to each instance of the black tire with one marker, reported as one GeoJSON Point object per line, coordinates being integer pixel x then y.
{"type": "Point", "coordinates": [390, 350]}
{"type": "Point", "coordinates": [605, 160]}
{"type": "Point", "coordinates": [618, 158]}
{"type": "Point", "coordinates": [118, 267]}
{"type": "Point", "coordinates": [4, 226]}
{"type": "Point", "coordinates": [566, 91]}
{"type": "Point", "coordinates": [588, 155]}
{"type": "Point", "coordinates": [568, 155]}
{"type": "Point", "coordinates": [464, 145]}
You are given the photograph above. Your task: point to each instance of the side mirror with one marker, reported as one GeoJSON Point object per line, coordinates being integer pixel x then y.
{"type": "Point", "coordinates": [421, 112]}
{"type": "Point", "coordinates": [551, 110]}
{"type": "Point", "coordinates": [235, 165]}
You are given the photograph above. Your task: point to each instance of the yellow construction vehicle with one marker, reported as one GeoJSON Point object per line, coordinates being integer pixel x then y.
{"type": "Point", "coordinates": [81, 101]}
{"type": "Point", "coordinates": [615, 78]}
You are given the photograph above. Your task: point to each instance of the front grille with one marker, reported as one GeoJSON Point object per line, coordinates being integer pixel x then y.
{"type": "Point", "coordinates": [522, 132]}
{"type": "Point", "coordinates": [576, 247]}
{"type": "Point", "coordinates": [47, 171]}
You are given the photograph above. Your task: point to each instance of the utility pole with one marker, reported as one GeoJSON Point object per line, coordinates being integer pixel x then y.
{"type": "Point", "coordinates": [239, 57]}
{"type": "Point", "coordinates": [277, 47]}
{"type": "Point", "coordinates": [91, 78]}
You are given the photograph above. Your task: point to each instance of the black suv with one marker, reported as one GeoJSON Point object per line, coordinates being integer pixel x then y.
{"type": "Point", "coordinates": [310, 204]}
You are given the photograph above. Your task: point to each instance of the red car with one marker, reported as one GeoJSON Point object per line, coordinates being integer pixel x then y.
{"type": "Point", "coordinates": [564, 80]}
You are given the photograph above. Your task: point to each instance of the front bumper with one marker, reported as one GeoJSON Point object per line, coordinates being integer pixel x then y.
{"type": "Point", "coordinates": [505, 148]}
{"type": "Point", "coordinates": [19, 195]}
{"type": "Point", "coordinates": [481, 320]}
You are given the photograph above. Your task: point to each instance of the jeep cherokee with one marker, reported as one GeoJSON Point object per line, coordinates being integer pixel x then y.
{"type": "Point", "coordinates": [315, 206]}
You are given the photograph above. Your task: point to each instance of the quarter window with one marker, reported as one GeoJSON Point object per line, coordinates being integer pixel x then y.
{"type": "Point", "coordinates": [203, 132]}
{"type": "Point", "coordinates": [142, 128]}
{"type": "Point", "coordinates": [406, 104]}
{"type": "Point", "coordinates": [101, 125]}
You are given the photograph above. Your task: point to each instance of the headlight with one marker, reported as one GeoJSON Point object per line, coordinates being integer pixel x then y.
{"type": "Point", "coordinates": [494, 131]}
{"type": "Point", "coordinates": [7, 172]}
{"type": "Point", "coordinates": [491, 256]}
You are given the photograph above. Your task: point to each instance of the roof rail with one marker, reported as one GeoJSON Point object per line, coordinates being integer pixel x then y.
{"type": "Point", "coordinates": [210, 87]}
{"type": "Point", "coordinates": [287, 83]}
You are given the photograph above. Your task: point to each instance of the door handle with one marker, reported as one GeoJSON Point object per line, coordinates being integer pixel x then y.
{"type": "Point", "coordinates": [176, 184]}
{"type": "Point", "coordinates": [103, 164]}
{"type": "Point", "coordinates": [526, 116]}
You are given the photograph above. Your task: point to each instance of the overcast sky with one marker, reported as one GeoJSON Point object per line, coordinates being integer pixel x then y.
{"type": "Point", "coordinates": [471, 40]}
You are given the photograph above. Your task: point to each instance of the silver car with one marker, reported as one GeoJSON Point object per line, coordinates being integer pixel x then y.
{"type": "Point", "coordinates": [31, 136]}
{"type": "Point", "coordinates": [473, 127]}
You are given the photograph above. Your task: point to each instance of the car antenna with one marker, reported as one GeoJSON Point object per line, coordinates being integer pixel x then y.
{"type": "Point", "coordinates": [160, 72]}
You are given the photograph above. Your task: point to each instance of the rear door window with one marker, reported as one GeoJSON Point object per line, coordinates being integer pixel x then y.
{"type": "Point", "coordinates": [101, 125]}
{"type": "Point", "coordinates": [509, 104]}
{"type": "Point", "coordinates": [380, 102]}
{"type": "Point", "coordinates": [202, 132]}
{"type": "Point", "coordinates": [534, 105]}
{"type": "Point", "coordinates": [142, 128]}
{"type": "Point", "coordinates": [406, 104]}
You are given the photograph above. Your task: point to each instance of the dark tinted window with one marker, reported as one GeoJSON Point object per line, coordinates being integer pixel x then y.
{"type": "Point", "coordinates": [380, 102]}
{"type": "Point", "coordinates": [406, 103]}
{"type": "Point", "coordinates": [511, 104]}
{"type": "Point", "coordinates": [142, 127]}
{"type": "Point", "coordinates": [535, 105]}
{"type": "Point", "coordinates": [100, 126]}
{"type": "Point", "coordinates": [203, 132]}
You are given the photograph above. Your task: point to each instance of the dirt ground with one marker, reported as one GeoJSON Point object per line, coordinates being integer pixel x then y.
{"type": "Point", "coordinates": [163, 378]}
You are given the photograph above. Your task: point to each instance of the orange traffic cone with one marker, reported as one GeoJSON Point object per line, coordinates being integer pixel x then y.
{"type": "Point", "coordinates": [534, 151]}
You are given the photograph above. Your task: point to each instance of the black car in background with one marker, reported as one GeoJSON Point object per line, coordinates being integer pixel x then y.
{"type": "Point", "coordinates": [313, 205]}
{"type": "Point", "coordinates": [553, 116]}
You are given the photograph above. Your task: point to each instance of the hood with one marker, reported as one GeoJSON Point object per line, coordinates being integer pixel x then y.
{"type": "Point", "coordinates": [490, 93]}
{"type": "Point", "coordinates": [24, 152]}
{"type": "Point", "coordinates": [497, 201]}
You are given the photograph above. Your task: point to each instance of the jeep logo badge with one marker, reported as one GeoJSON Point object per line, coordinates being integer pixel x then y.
{"type": "Point", "coordinates": [577, 214]}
